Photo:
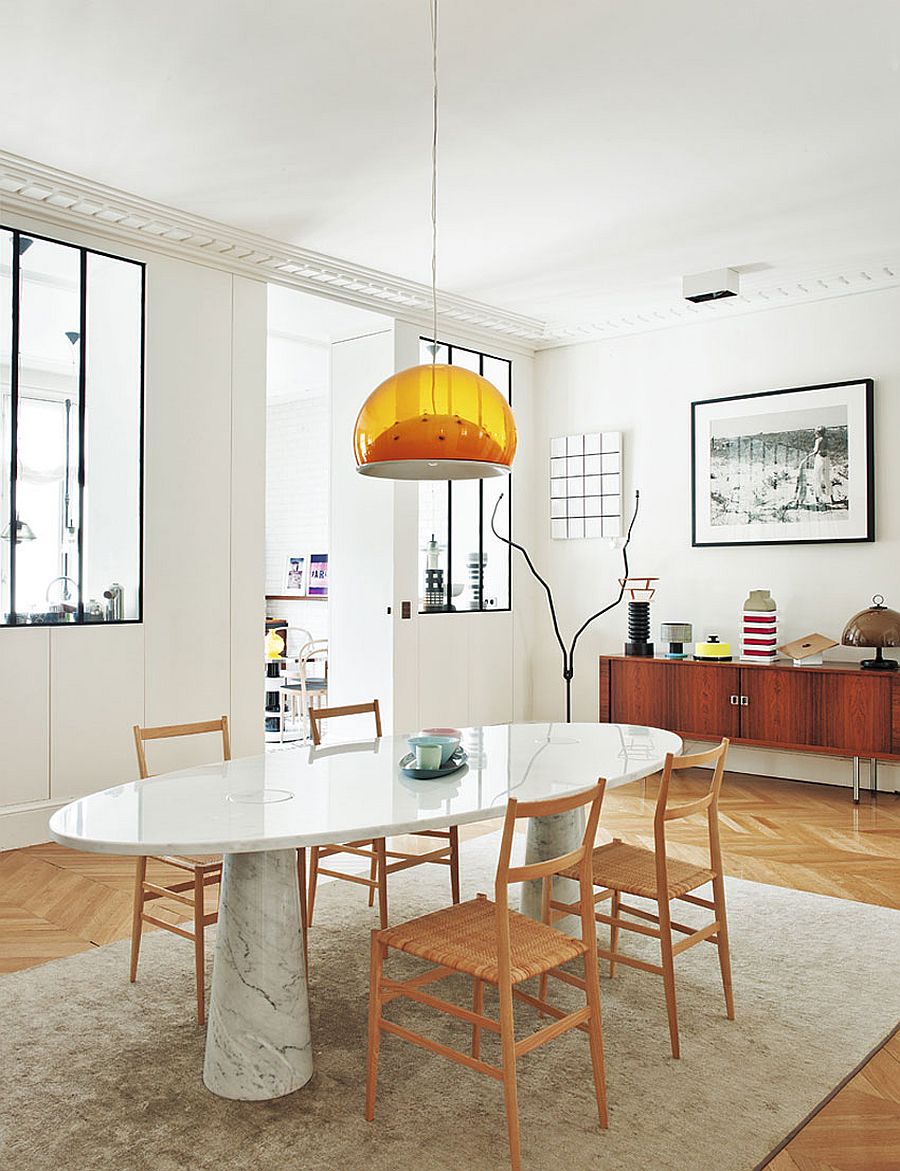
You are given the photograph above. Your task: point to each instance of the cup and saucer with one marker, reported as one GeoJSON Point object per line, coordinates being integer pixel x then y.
{"type": "Point", "coordinates": [433, 756]}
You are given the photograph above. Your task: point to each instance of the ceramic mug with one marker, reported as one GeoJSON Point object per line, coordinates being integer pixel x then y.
{"type": "Point", "coordinates": [428, 756]}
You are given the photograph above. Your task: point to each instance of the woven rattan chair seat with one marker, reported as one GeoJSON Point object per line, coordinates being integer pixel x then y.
{"type": "Point", "coordinates": [207, 860]}
{"type": "Point", "coordinates": [632, 869]}
{"type": "Point", "coordinates": [464, 937]}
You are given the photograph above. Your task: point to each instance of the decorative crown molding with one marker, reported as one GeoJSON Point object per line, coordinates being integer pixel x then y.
{"type": "Point", "coordinates": [757, 295]}
{"type": "Point", "coordinates": [31, 188]}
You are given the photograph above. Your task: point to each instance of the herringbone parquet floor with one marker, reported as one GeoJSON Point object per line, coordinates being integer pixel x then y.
{"type": "Point", "coordinates": [55, 902]}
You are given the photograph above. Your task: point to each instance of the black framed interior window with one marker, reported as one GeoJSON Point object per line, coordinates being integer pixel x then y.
{"type": "Point", "coordinates": [462, 565]}
{"type": "Point", "coordinates": [71, 433]}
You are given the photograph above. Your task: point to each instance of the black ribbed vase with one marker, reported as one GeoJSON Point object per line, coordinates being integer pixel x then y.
{"type": "Point", "coordinates": [639, 630]}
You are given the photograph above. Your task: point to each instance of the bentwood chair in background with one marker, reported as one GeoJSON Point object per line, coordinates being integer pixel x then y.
{"type": "Point", "coordinates": [197, 873]}
{"type": "Point", "coordinates": [382, 861]}
{"type": "Point", "coordinates": [308, 684]}
{"type": "Point", "coordinates": [621, 869]}
{"type": "Point", "coordinates": [491, 944]}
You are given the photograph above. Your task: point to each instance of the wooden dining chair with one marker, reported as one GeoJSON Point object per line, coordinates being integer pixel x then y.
{"type": "Point", "coordinates": [622, 869]}
{"type": "Point", "coordinates": [198, 873]}
{"type": "Point", "coordinates": [382, 861]}
{"type": "Point", "coordinates": [494, 945]}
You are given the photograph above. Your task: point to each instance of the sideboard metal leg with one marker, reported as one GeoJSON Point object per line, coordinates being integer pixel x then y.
{"type": "Point", "coordinates": [856, 780]}
{"type": "Point", "coordinates": [873, 776]}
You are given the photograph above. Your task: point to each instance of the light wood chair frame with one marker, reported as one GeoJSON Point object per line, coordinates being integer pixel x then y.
{"type": "Point", "coordinates": [588, 1019]}
{"type": "Point", "coordinates": [661, 926]}
{"type": "Point", "coordinates": [200, 874]}
{"type": "Point", "coordinates": [382, 861]}
{"type": "Point", "coordinates": [313, 650]}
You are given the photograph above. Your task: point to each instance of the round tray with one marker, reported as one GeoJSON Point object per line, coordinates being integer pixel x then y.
{"type": "Point", "coordinates": [454, 764]}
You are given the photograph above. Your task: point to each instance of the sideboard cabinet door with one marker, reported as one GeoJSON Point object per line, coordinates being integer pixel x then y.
{"type": "Point", "coordinates": [688, 698]}
{"type": "Point", "coordinates": [856, 712]}
{"type": "Point", "coordinates": [782, 707]}
{"type": "Point", "coordinates": [841, 712]}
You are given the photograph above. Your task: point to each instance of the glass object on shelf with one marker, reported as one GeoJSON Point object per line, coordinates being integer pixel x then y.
{"type": "Point", "coordinates": [433, 533]}
{"type": "Point", "coordinates": [71, 342]}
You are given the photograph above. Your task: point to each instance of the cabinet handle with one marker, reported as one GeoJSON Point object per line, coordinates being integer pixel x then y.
{"type": "Point", "coordinates": [734, 700]}
{"type": "Point", "coordinates": [745, 701]}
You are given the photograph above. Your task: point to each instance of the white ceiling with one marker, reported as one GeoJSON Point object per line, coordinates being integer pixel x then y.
{"type": "Point", "coordinates": [592, 151]}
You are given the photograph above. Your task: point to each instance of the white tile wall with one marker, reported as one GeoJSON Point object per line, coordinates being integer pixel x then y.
{"type": "Point", "coordinates": [298, 443]}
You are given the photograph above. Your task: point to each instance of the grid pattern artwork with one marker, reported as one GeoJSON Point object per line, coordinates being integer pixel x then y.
{"type": "Point", "coordinates": [586, 485]}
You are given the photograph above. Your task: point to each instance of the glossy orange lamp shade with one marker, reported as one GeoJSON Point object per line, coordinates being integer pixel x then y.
{"type": "Point", "coordinates": [435, 422]}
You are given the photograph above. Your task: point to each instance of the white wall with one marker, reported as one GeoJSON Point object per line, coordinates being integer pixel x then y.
{"type": "Point", "coordinates": [298, 447]}
{"type": "Point", "coordinates": [643, 386]}
{"type": "Point", "coordinates": [69, 697]}
{"type": "Point", "coordinates": [361, 567]}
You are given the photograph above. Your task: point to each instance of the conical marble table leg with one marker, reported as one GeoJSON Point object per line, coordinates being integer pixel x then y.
{"type": "Point", "coordinates": [258, 1041]}
{"type": "Point", "coordinates": [551, 837]}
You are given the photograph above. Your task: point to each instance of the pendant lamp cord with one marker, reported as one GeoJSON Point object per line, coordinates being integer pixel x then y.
{"type": "Point", "coordinates": [434, 176]}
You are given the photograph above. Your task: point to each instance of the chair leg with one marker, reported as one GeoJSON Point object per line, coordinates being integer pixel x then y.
{"type": "Point", "coordinates": [381, 860]}
{"type": "Point", "coordinates": [454, 863]}
{"type": "Point", "coordinates": [313, 879]}
{"type": "Point", "coordinates": [508, 1048]}
{"type": "Point", "coordinates": [373, 878]}
{"type": "Point", "coordinates": [140, 873]}
{"type": "Point", "coordinates": [668, 966]}
{"type": "Point", "coordinates": [477, 1006]}
{"type": "Point", "coordinates": [724, 951]}
{"type": "Point", "coordinates": [301, 886]}
{"type": "Point", "coordinates": [546, 893]}
{"type": "Point", "coordinates": [614, 932]}
{"type": "Point", "coordinates": [376, 965]}
{"type": "Point", "coordinates": [199, 941]}
{"type": "Point", "coordinates": [595, 1033]}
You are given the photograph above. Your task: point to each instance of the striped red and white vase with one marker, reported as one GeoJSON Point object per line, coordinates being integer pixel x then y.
{"type": "Point", "coordinates": [759, 630]}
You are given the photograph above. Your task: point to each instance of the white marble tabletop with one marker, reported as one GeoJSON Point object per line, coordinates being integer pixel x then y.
{"type": "Point", "coordinates": [309, 796]}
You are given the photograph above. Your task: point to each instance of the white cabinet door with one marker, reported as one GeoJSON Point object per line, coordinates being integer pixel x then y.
{"type": "Point", "coordinates": [96, 698]}
{"type": "Point", "coordinates": [24, 715]}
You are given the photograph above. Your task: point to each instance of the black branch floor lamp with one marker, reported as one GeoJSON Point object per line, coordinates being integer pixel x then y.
{"type": "Point", "coordinates": [568, 653]}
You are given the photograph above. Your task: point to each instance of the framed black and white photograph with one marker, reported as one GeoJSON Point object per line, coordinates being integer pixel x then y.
{"type": "Point", "coordinates": [784, 467]}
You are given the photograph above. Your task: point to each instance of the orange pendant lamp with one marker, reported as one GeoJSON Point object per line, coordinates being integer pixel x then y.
{"type": "Point", "coordinates": [434, 422]}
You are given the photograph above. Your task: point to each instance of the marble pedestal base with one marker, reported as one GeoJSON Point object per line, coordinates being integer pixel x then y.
{"type": "Point", "coordinates": [258, 1041]}
{"type": "Point", "coordinates": [550, 837]}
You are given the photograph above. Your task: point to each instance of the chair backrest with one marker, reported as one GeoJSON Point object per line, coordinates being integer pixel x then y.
{"type": "Point", "coordinates": [297, 638]}
{"type": "Point", "coordinates": [317, 714]}
{"type": "Point", "coordinates": [709, 803]}
{"type": "Point", "coordinates": [167, 731]}
{"type": "Point", "coordinates": [316, 650]}
{"type": "Point", "coordinates": [581, 857]}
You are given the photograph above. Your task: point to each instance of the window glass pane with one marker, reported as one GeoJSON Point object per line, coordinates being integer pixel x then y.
{"type": "Point", "coordinates": [5, 437]}
{"type": "Point", "coordinates": [433, 516]}
{"type": "Point", "coordinates": [112, 439]}
{"type": "Point", "coordinates": [70, 445]}
{"type": "Point", "coordinates": [468, 359]}
{"type": "Point", "coordinates": [497, 371]}
{"type": "Point", "coordinates": [496, 553]}
{"type": "Point", "coordinates": [465, 545]}
{"type": "Point", "coordinates": [47, 497]}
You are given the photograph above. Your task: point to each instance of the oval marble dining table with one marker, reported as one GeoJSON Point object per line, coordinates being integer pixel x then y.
{"type": "Point", "coordinates": [257, 810]}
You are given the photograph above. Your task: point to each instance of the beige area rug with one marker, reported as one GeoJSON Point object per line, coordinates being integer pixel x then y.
{"type": "Point", "coordinates": [100, 1075]}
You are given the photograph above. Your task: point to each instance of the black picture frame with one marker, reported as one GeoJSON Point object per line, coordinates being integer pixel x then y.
{"type": "Point", "coordinates": [862, 511]}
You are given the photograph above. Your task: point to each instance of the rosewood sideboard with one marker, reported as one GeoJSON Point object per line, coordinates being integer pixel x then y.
{"type": "Point", "coordinates": [838, 708]}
